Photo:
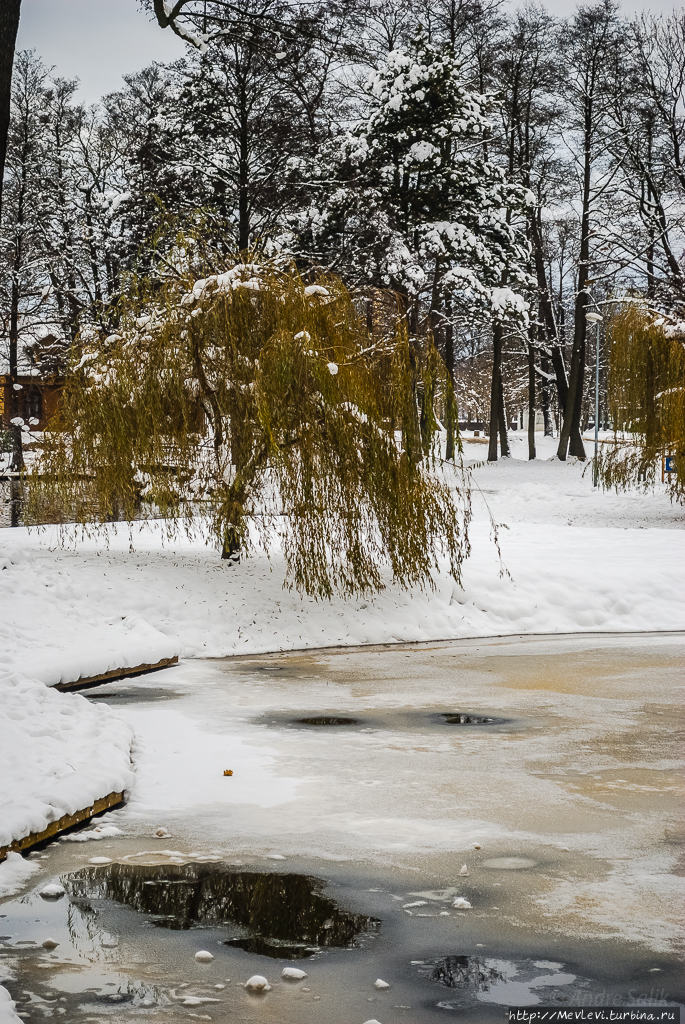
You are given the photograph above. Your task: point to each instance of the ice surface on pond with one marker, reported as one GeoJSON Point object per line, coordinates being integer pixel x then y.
{"type": "Point", "coordinates": [562, 808]}
{"type": "Point", "coordinates": [514, 795]}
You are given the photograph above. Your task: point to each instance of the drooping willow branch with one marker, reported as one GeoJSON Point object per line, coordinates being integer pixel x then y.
{"type": "Point", "coordinates": [258, 403]}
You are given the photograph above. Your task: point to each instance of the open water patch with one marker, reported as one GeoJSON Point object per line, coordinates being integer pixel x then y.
{"type": "Point", "coordinates": [283, 916]}
{"type": "Point", "coordinates": [503, 982]}
{"type": "Point", "coordinates": [469, 718]}
{"type": "Point", "coordinates": [473, 983]}
{"type": "Point", "coordinates": [322, 720]}
{"type": "Point", "coordinates": [134, 695]}
{"type": "Point", "coordinates": [123, 940]}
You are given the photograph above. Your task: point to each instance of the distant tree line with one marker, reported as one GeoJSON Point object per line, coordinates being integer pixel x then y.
{"type": "Point", "coordinates": [496, 176]}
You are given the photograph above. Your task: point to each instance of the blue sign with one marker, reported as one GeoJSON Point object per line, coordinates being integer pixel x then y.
{"type": "Point", "coordinates": [669, 465]}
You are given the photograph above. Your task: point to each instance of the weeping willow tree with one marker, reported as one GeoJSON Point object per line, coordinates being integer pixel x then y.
{"type": "Point", "coordinates": [646, 385]}
{"type": "Point", "coordinates": [260, 404]}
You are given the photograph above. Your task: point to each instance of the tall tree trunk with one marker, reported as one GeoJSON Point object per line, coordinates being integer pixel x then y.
{"type": "Point", "coordinates": [17, 463]}
{"type": "Point", "coordinates": [573, 404]}
{"type": "Point", "coordinates": [502, 418]}
{"type": "Point", "coordinates": [560, 376]}
{"type": "Point", "coordinates": [15, 501]}
{"type": "Point", "coordinates": [9, 24]}
{"type": "Point", "coordinates": [243, 183]}
{"type": "Point", "coordinates": [570, 430]}
{"type": "Point", "coordinates": [576, 447]}
{"type": "Point", "coordinates": [650, 231]}
{"type": "Point", "coordinates": [411, 426]}
{"type": "Point", "coordinates": [531, 395]}
{"type": "Point", "coordinates": [495, 385]}
{"type": "Point", "coordinates": [231, 546]}
{"type": "Point", "coordinates": [548, 318]}
{"type": "Point", "coordinates": [571, 422]}
{"type": "Point", "coordinates": [451, 408]}
{"type": "Point", "coordinates": [92, 251]}
{"type": "Point", "coordinates": [544, 398]}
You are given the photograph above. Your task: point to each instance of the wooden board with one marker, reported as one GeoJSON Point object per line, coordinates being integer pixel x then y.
{"type": "Point", "coordinates": [66, 821]}
{"type": "Point", "coordinates": [116, 673]}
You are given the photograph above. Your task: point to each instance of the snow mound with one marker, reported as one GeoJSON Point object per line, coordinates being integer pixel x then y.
{"type": "Point", "coordinates": [293, 972]}
{"type": "Point", "coordinates": [99, 832]}
{"type": "Point", "coordinates": [257, 983]}
{"type": "Point", "coordinates": [82, 645]}
{"type": "Point", "coordinates": [60, 752]}
{"type": "Point", "coordinates": [14, 873]}
{"type": "Point", "coordinates": [8, 1013]}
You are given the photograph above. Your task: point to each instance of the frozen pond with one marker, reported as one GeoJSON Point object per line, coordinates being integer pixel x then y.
{"type": "Point", "coordinates": [363, 781]}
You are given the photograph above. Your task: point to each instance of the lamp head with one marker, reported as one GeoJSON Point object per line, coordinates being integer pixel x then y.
{"type": "Point", "coordinates": [594, 318]}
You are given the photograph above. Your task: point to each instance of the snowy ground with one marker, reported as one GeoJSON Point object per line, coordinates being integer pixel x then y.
{"type": "Point", "coordinates": [58, 754]}
{"type": "Point", "coordinates": [577, 561]}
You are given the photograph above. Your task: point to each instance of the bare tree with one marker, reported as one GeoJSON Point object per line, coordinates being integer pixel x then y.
{"type": "Point", "coordinates": [588, 42]}
{"type": "Point", "coordinates": [649, 121]}
{"type": "Point", "coordinates": [9, 25]}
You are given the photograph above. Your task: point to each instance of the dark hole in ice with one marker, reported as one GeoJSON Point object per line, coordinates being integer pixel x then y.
{"type": "Point", "coordinates": [286, 916]}
{"type": "Point", "coordinates": [275, 948]}
{"type": "Point", "coordinates": [328, 720]}
{"type": "Point", "coordinates": [466, 718]}
{"type": "Point", "coordinates": [112, 997]}
{"type": "Point", "coordinates": [467, 972]}
{"type": "Point", "coordinates": [135, 695]}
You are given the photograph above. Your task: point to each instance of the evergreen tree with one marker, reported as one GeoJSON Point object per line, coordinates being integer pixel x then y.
{"type": "Point", "coordinates": [415, 205]}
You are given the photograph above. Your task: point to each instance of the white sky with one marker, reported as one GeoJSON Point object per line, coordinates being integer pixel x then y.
{"type": "Point", "coordinates": [98, 41]}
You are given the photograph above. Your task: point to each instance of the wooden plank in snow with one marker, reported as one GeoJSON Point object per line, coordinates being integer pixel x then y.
{"type": "Point", "coordinates": [116, 673]}
{"type": "Point", "coordinates": [66, 821]}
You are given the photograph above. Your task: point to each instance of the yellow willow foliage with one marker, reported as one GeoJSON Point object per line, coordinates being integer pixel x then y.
{"type": "Point", "coordinates": [646, 385]}
{"type": "Point", "coordinates": [261, 405]}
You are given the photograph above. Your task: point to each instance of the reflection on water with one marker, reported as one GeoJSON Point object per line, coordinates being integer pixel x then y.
{"type": "Point", "coordinates": [277, 949]}
{"type": "Point", "coordinates": [327, 720]}
{"type": "Point", "coordinates": [505, 982]}
{"type": "Point", "coordinates": [110, 966]}
{"type": "Point", "coordinates": [134, 695]}
{"type": "Point", "coordinates": [460, 718]}
{"type": "Point", "coordinates": [466, 972]}
{"type": "Point", "coordinates": [285, 914]}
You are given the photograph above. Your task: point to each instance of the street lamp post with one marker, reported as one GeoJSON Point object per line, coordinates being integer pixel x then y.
{"type": "Point", "coordinates": [595, 318]}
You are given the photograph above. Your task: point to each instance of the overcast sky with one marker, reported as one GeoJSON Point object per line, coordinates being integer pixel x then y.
{"type": "Point", "coordinates": [98, 41]}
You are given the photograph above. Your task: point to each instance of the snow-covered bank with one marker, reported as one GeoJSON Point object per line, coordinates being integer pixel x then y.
{"type": "Point", "coordinates": [576, 560]}
{"type": "Point", "coordinates": [562, 580]}
{"type": "Point", "coordinates": [84, 645]}
{"type": "Point", "coordinates": [67, 613]}
{"type": "Point", "coordinates": [58, 754]}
